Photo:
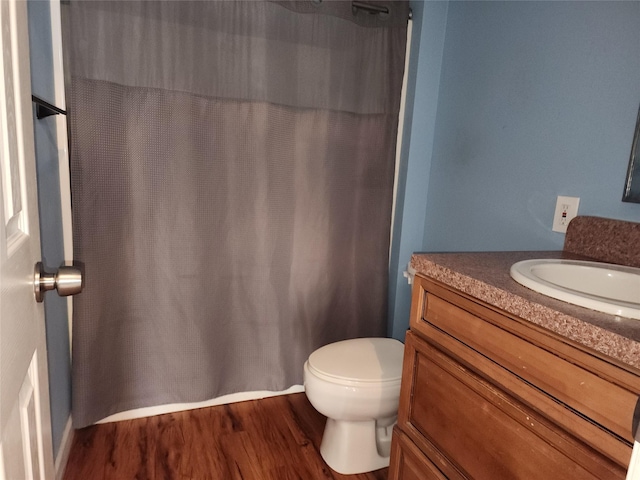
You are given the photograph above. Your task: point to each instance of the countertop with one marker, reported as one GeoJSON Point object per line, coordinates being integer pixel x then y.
{"type": "Point", "coordinates": [485, 276]}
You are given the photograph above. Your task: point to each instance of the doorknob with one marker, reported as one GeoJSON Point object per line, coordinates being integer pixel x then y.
{"type": "Point", "coordinates": [67, 280]}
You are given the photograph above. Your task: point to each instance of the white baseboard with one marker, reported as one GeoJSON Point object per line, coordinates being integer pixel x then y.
{"type": "Point", "coordinates": [64, 450]}
{"type": "Point", "coordinates": [178, 407]}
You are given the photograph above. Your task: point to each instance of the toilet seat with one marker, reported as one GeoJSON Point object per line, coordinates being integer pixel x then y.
{"type": "Point", "coordinates": [360, 360]}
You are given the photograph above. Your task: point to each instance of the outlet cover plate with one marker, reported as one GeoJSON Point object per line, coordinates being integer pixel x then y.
{"type": "Point", "coordinates": [566, 210]}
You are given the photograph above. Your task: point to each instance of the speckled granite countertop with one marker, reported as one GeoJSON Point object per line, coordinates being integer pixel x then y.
{"type": "Point", "coordinates": [485, 276]}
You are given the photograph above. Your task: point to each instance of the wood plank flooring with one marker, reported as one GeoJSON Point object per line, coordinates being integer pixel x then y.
{"type": "Point", "coordinates": [275, 438]}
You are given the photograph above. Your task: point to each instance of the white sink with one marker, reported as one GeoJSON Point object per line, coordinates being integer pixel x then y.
{"type": "Point", "coordinates": [607, 288]}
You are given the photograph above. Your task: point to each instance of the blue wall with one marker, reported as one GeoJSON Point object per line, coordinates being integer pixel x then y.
{"type": "Point", "coordinates": [429, 20]}
{"type": "Point", "coordinates": [535, 100]}
{"type": "Point", "coordinates": [55, 307]}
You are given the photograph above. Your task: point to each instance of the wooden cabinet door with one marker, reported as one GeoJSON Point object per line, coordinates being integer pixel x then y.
{"type": "Point", "coordinates": [449, 409]}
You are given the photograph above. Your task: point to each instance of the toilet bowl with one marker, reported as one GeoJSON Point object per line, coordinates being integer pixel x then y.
{"type": "Point", "coordinates": [356, 385]}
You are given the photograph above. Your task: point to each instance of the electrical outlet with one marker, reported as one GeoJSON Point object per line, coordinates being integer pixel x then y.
{"type": "Point", "coordinates": [566, 210]}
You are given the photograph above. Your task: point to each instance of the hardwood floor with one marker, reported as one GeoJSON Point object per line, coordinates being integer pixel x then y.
{"type": "Point", "coordinates": [275, 438]}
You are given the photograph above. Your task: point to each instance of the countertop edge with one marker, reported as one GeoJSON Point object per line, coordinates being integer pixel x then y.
{"type": "Point", "coordinates": [553, 315]}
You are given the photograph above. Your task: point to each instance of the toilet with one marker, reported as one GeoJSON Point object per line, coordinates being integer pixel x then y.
{"type": "Point", "coordinates": [356, 385]}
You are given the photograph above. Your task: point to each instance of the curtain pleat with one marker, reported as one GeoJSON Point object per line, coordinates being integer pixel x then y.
{"type": "Point", "coordinates": [225, 232]}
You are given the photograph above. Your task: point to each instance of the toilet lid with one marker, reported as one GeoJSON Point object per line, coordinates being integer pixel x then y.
{"type": "Point", "coordinates": [360, 359]}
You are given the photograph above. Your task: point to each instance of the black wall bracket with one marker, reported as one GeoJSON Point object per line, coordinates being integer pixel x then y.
{"type": "Point", "coordinates": [45, 109]}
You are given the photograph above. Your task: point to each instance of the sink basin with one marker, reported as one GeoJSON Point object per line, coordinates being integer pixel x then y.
{"type": "Point", "coordinates": [607, 288]}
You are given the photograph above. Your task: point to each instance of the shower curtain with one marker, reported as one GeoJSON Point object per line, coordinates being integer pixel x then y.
{"type": "Point", "coordinates": [232, 172]}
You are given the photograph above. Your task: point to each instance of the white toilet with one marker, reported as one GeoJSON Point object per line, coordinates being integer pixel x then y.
{"type": "Point", "coordinates": [356, 385]}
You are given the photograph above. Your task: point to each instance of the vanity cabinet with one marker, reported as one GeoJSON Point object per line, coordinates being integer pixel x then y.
{"type": "Point", "coordinates": [487, 395]}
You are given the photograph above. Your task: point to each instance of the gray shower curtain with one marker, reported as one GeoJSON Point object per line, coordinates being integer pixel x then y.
{"type": "Point", "coordinates": [232, 172]}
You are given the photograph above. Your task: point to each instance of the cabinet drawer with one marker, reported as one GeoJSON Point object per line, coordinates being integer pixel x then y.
{"type": "Point", "coordinates": [408, 463]}
{"type": "Point", "coordinates": [576, 392]}
{"type": "Point", "coordinates": [449, 408]}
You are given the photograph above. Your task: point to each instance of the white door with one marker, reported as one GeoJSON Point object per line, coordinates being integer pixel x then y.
{"type": "Point", "coordinates": [25, 423]}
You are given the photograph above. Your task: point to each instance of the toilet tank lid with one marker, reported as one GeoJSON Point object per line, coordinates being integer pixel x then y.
{"type": "Point", "coordinates": [360, 359]}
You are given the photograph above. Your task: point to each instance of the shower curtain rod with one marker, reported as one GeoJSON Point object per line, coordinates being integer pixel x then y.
{"type": "Point", "coordinates": [355, 6]}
